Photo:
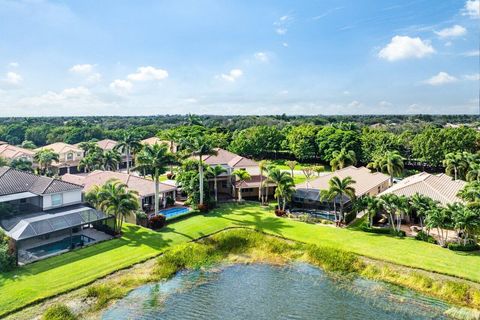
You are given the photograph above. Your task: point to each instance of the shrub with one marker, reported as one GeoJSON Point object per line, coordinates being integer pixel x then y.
{"type": "Point", "coordinates": [460, 247]}
{"type": "Point", "coordinates": [389, 231]}
{"type": "Point", "coordinates": [157, 221]}
{"type": "Point", "coordinates": [332, 259]}
{"type": "Point", "coordinates": [170, 201]}
{"type": "Point", "coordinates": [59, 312]}
{"type": "Point", "coordinates": [423, 236]}
{"type": "Point", "coordinates": [103, 294]}
{"type": "Point", "coordinates": [7, 257]}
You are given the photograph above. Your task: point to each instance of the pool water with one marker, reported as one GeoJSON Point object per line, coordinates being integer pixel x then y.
{"type": "Point", "coordinates": [64, 244]}
{"type": "Point", "coordinates": [316, 214]}
{"type": "Point", "coordinates": [261, 291]}
{"type": "Point", "coordinates": [174, 212]}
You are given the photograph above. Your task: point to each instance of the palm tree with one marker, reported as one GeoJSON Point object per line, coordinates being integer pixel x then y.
{"type": "Point", "coordinates": [200, 146]}
{"type": "Point", "coordinates": [89, 163]}
{"type": "Point", "coordinates": [470, 192]}
{"type": "Point", "coordinates": [283, 193]}
{"type": "Point", "coordinates": [171, 136]}
{"type": "Point", "coordinates": [214, 172]}
{"type": "Point", "coordinates": [262, 165]}
{"type": "Point", "coordinates": [153, 160]}
{"type": "Point", "coordinates": [465, 221]}
{"type": "Point", "coordinates": [473, 173]}
{"type": "Point", "coordinates": [395, 206]}
{"type": "Point", "coordinates": [127, 144]}
{"type": "Point", "coordinates": [111, 159]}
{"type": "Point", "coordinates": [343, 158]}
{"type": "Point", "coordinates": [291, 165]}
{"type": "Point", "coordinates": [93, 197]}
{"type": "Point", "coordinates": [116, 199]}
{"type": "Point", "coordinates": [371, 205]}
{"type": "Point", "coordinates": [392, 163]}
{"type": "Point", "coordinates": [281, 179]}
{"type": "Point", "coordinates": [440, 219]}
{"type": "Point", "coordinates": [90, 147]}
{"type": "Point", "coordinates": [242, 176]}
{"type": "Point", "coordinates": [3, 162]}
{"type": "Point", "coordinates": [308, 173]}
{"type": "Point", "coordinates": [339, 188]}
{"type": "Point", "coordinates": [375, 164]}
{"type": "Point", "coordinates": [456, 163]}
{"type": "Point", "coordinates": [421, 204]}
{"type": "Point", "coordinates": [21, 164]}
{"type": "Point", "coordinates": [44, 159]}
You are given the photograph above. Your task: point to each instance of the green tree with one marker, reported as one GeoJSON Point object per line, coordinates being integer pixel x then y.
{"type": "Point", "coordinates": [465, 221]}
{"type": "Point", "coordinates": [372, 205]}
{"type": "Point", "coordinates": [153, 160]}
{"type": "Point", "coordinates": [440, 219]}
{"type": "Point", "coordinates": [45, 158]}
{"type": "Point", "coordinates": [257, 141]}
{"type": "Point", "coordinates": [27, 144]}
{"type": "Point", "coordinates": [455, 163]}
{"type": "Point", "coordinates": [330, 139]}
{"type": "Point", "coordinates": [242, 175]}
{"type": "Point", "coordinates": [392, 163]}
{"type": "Point", "coordinates": [110, 159]}
{"type": "Point", "coordinates": [421, 204]}
{"type": "Point", "coordinates": [21, 164]}
{"type": "Point", "coordinates": [263, 165]}
{"type": "Point", "coordinates": [282, 180]}
{"type": "Point", "coordinates": [291, 165]}
{"type": "Point", "coordinates": [342, 159]}
{"type": "Point", "coordinates": [215, 172]}
{"type": "Point", "coordinates": [128, 143]}
{"type": "Point", "coordinates": [301, 141]}
{"type": "Point", "coordinates": [395, 206]}
{"type": "Point", "coordinates": [339, 189]}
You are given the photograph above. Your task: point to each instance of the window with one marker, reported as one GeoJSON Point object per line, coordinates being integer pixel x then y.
{"type": "Point", "coordinates": [69, 156]}
{"type": "Point", "coordinates": [57, 199]}
{"type": "Point", "coordinates": [224, 185]}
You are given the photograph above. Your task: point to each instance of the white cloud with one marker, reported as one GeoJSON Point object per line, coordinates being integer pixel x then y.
{"type": "Point", "coordinates": [83, 69]}
{"type": "Point", "coordinates": [148, 74]}
{"type": "Point", "coordinates": [14, 64]}
{"type": "Point", "coordinates": [262, 56]}
{"type": "Point", "coordinates": [354, 104]}
{"type": "Point", "coordinates": [52, 97]}
{"type": "Point", "coordinates": [385, 104]}
{"type": "Point", "coordinates": [13, 78]}
{"type": "Point", "coordinates": [232, 76]}
{"type": "Point", "coordinates": [346, 92]}
{"type": "Point", "coordinates": [404, 47]}
{"type": "Point", "coordinates": [472, 8]}
{"type": "Point", "coordinates": [472, 77]}
{"type": "Point", "coordinates": [121, 86]}
{"type": "Point", "coordinates": [455, 31]}
{"type": "Point", "coordinates": [281, 25]}
{"type": "Point", "coordinates": [285, 44]}
{"type": "Point", "coordinates": [473, 53]}
{"type": "Point", "coordinates": [94, 77]}
{"type": "Point", "coordinates": [440, 78]}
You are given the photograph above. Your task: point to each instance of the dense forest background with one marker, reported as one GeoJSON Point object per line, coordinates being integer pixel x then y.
{"type": "Point", "coordinates": [423, 140]}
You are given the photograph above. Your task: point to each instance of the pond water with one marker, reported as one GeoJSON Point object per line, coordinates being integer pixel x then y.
{"type": "Point", "coordinates": [259, 291]}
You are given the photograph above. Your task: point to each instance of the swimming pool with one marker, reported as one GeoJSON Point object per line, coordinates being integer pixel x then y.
{"type": "Point", "coordinates": [64, 244]}
{"type": "Point", "coordinates": [174, 212]}
{"type": "Point", "coordinates": [314, 213]}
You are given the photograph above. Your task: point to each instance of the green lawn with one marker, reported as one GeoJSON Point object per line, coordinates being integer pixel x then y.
{"type": "Point", "coordinates": [69, 271]}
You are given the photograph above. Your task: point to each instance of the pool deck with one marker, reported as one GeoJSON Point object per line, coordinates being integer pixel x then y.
{"type": "Point", "coordinates": [32, 243]}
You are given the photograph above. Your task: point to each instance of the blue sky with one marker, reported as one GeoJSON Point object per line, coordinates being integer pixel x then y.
{"type": "Point", "coordinates": [239, 57]}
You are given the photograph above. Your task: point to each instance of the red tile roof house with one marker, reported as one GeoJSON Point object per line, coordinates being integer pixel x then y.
{"type": "Point", "coordinates": [227, 183]}
{"type": "Point", "coordinates": [144, 187]}
{"type": "Point", "coordinates": [109, 144]}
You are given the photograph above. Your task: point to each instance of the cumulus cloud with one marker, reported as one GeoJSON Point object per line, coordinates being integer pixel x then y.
{"type": "Point", "coordinates": [52, 97]}
{"type": "Point", "coordinates": [13, 78]}
{"type": "Point", "coordinates": [472, 8]}
{"type": "Point", "coordinates": [455, 31]}
{"type": "Point", "coordinates": [404, 47]}
{"type": "Point", "coordinates": [440, 78]}
{"type": "Point", "coordinates": [14, 64]}
{"type": "Point", "coordinates": [148, 73]}
{"type": "Point", "coordinates": [83, 69]}
{"type": "Point", "coordinates": [121, 86]}
{"type": "Point", "coordinates": [262, 56]}
{"type": "Point", "coordinates": [232, 76]}
{"type": "Point", "coordinates": [472, 77]}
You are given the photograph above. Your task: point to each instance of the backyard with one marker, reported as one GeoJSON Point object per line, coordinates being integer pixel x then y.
{"type": "Point", "coordinates": [56, 275]}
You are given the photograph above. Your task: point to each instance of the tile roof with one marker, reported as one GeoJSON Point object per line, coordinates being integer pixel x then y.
{"type": "Point", "coordinates": [439, 187]}
{"type": "Point", "coordinates": [253, 182]}
{"type": "Point", "coordinates": [144, 187]}
{"type": "Point", "coordinates": [8, 151]}
{"type": "Point", "coordinates": [224, 157]}
{"type": "Point", "coordinates": [60, 147]}
{"type": "Point", "coordinates": [364, 180]}
{"type": "Point", "coordinates": [107, 144]}
{"type": "Point", "coordinates": [154, 140]}
{"type": "Point", "coordinates": [15, 181]}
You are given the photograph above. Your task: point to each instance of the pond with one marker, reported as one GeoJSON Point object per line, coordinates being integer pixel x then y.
{"type": "Point", "coordinates": [260, 291]}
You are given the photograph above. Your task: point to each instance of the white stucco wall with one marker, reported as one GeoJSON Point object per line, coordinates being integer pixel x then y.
{"type": "Point", "coordinates": [69, 198]}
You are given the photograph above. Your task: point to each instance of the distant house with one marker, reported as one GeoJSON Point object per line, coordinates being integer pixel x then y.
{"type": "Point", "coordinates": [69, 156]}
{"type": "Point", "coordinates": [144, 187]}
{"type": "Point", "coordinates": [155, 140]}
{"type": "Point", "coordinates": [227, 184]}
{"type": "Point", "coordinates": [45, 216]}
{"type": "Point", "coordinates": [366, 182]}
{"type": "Point", "coordinates": [439, 187]}
{"type": "Point", "coordinates": [109, 144]}
{"type": "Point", "coordinates": [10, 153]}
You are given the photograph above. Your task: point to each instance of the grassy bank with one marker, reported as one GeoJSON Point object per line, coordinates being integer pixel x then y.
{"type": "Point", "coordinates": [60, 274]}
{"type": "Point", "coordinates": [243, 245]}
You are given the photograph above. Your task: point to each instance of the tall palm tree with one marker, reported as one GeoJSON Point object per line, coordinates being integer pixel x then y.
{"type": "Point", "coordinates": [281, 179]}
{"type": "Point", "coordinates": [215, 171]}
{"type": "Point", "coordinates": [343, 158]}
{"type": "Point", "coordinates": [375, 164]}
{"type": "Point", "coordinates": [93, 197]}
{"type": "Point", "coordinates": [262, 165]}
{"type": "Point", "coordinates": [153, 160]}
{"type": "Point", "coordinates": [284, 193]}
{"type": "Point", "coordinates": [128, 143]}
{"type": "Point", "coordinates": [395, 206]}
{"type": "Point", "coordinates": [90, 147]}
{"type": "Point", "coordinates": [440, 219]}
{"type": "Point", "coordinates": [339, 189]}
{"type": "Point", "coordinates": [116, 199]}
{"type": "Point", "coordinates": [21, 164]}
{"type": "Point", "coordinates": [172, 137]}
{"type": "Point", "coordinates": [456, 163]}
{"type": "Point", "coordinates": [392, 163]}
{"type": "Point", "coordinates": [45, 159]}
{"type": "Point", "coordinates": [242, 176]}
{"type": "Point", "coordinates": [421, 204]}
{"type": "Point", "coordinates": [291, 165]}
{"type": "Point", "coordinates": [200, 146]}
{"type": "Point", "coordinates": [90, 162]}
{"type": "Point", "coordinates": [372, 205]}
{"type": "Point", "coordinates": [111, 159]}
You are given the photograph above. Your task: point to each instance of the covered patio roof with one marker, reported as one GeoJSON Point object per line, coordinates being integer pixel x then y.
{"type": "Point", "coordinates": [37, 224]}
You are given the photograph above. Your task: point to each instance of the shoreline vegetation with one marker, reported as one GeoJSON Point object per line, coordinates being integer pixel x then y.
{"type": "Point", "coordinates": [241, 245]}
{"type": "Point", "coordinates": [33, 284]}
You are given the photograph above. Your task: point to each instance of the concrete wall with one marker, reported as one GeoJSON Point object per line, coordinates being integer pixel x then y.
{"type": "Point", "coordinates": [69, 198]}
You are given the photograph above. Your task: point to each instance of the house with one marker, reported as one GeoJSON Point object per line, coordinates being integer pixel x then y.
{"type": "Point", "coordinates": [173, 147]}
{"type": "Point", "coordinates": [439, 187]}
{"type": "Point", "coordinates": [45, 216]}
{"type": "Point", "coordinates": [108, 144]}
{"type": "Point", "coordinates": [227, 183]}
{"type": "Point", "coordinates": [144, 187]}
{"type": "Point", "coordinates": [10, 153]}
{"type": "Point", "coordinates": [69, 156]}
{"type": "Point", "coordinates": [308, 193]}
